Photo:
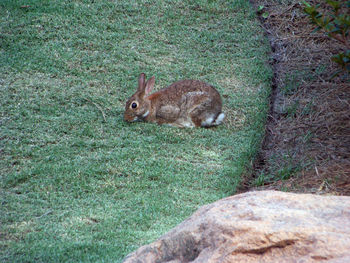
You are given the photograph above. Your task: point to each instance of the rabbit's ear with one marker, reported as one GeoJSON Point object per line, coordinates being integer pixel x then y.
{"type": "Point", "coordinates": [142, 82]}
{"type": "Point", "coordinates": [149, 85]}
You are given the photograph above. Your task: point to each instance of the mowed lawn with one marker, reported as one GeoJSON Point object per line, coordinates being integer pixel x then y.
{"type": "Point", "coordinates": [77, 183]}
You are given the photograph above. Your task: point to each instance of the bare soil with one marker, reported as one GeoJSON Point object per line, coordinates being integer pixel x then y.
{"type": "Point", "coordinates": [307, 142]}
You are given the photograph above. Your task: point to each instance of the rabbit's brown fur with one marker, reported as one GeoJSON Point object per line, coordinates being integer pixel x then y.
{"type": "Point", "coordinates": [186, 103]}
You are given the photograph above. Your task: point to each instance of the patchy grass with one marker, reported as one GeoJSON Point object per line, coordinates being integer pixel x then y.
{"type": "Point", "coordinates": [78, 183]}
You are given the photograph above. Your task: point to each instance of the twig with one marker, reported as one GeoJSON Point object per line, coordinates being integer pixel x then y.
{"type": "Point", "coordinates": [45, 214]}
{"type": "Point", "coordinates": [317, 171]}
{"type": "Point", "coordinates": [98, 107]}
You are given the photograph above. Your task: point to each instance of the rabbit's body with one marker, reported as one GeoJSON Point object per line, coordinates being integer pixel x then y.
{"type": "Point", "coordinates": [186, 103]}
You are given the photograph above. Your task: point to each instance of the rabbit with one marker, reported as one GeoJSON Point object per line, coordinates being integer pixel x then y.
{"type": "Point", "coordinates": [185, 103]}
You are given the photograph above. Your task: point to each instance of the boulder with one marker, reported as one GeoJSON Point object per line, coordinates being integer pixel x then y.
{"type": "Point", "coordinates": [265, 226]}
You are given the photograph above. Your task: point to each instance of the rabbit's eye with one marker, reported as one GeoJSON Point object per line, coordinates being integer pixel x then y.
{"type": "Point", "coordinates": [134, 105]}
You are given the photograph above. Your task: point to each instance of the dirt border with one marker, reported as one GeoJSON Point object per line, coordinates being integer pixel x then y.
{"type": "Point", "coordinates": [307, 142]}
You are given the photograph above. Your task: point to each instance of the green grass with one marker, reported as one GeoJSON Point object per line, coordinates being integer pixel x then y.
{"type": "Point", "coordinates": [76, 188]}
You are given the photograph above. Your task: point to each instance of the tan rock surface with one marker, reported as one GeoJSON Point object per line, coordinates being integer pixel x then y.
{"type": "Point", "coordinates": [266, 226]}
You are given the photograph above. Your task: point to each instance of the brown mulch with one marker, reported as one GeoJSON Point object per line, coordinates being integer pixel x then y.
{"type": "Point", "coordinates": [307, 143]}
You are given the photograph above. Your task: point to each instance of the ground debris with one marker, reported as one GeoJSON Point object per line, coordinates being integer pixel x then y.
{"type": "Point", "coordinates": [307, 144]}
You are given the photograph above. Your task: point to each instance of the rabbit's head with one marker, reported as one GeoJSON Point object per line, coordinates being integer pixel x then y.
{"type": "Point", "coordinates": [138, 106]}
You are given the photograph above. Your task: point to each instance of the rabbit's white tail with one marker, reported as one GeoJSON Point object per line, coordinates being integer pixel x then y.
{"type": "Point", "coordinates": [219, 119]}
{"type": "Point", "coordinates": [211, 121]}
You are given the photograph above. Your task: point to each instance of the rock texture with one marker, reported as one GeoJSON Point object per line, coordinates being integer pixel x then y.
{"type": "Point", "coordinates": [266, 226]}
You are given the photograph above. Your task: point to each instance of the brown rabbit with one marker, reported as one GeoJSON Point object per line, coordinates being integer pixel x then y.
{"type": "Point", "coordinates": [186, 103]}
